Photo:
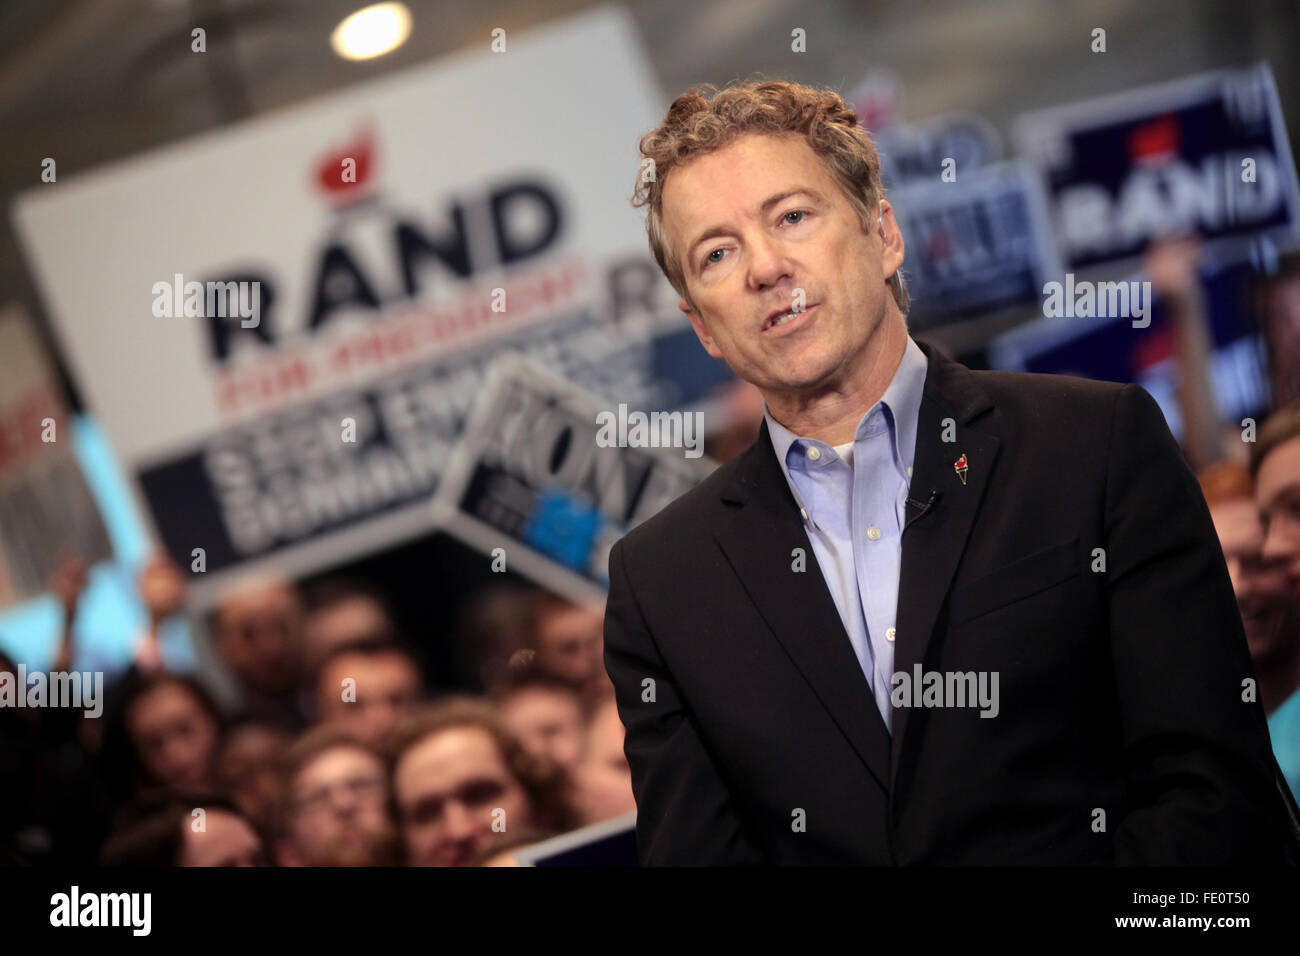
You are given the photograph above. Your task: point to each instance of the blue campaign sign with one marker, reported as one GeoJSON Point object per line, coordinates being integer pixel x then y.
{"type": "Point", "coordinates": [1207, 155]}
{"type": "Point", "coordinates": [917, 152]}
{"type": "Point", "coordinates": [976, 245]}
{"type": "Point", "coordinates": [1106, 347]}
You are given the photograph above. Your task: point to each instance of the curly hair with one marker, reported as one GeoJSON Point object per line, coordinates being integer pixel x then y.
{"type": "Point", "coordinates": [546, 784]}
{"type": "Point", "coordinates": [697, 125]}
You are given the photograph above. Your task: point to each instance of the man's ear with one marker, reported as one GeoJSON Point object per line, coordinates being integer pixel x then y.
{"type": "Point", "coordinates": [891, 255]}
{"type": "Point", "coordinates": [701, 332]}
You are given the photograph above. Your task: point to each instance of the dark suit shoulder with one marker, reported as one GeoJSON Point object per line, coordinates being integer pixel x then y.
{"type": "Point", "coordinates": [1030, 389]}
{"type": "Point", "coordinates": [1035, 407]}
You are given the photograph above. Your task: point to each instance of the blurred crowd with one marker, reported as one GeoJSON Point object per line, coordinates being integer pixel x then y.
{"type": "Point", "coordinates": [1249, 472]}
{"type": "Point", "coordinates": [333, 751]}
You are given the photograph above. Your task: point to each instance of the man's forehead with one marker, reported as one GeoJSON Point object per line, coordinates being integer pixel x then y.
{"type": "Point", "coordinates": [738, 178]}
{"type": "Point", "coordinates": [452, 753]}
{"type": "Point", "coordinates": [335, 762]}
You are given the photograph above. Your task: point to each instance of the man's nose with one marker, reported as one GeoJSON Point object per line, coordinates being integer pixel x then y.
{"type": "Point", "coordinates": [460, 822]}
{"type": "Point", "coordinates": [343, 800]}
{"type": "Point", "coordinates": [768, 264]}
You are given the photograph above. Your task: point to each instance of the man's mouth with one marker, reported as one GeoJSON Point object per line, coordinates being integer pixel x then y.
{"type": "Point", "coordinates": [785, 319]}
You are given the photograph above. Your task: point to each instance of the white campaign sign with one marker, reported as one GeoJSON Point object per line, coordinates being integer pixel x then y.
{"type": "Point", "coordinates": [283, 324]}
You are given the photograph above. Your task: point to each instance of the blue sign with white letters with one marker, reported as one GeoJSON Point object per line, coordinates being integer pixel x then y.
{"type": "Point", "coordinates": [1206, 155]}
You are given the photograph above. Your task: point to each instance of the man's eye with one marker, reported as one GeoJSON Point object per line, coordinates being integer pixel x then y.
{"type": "Point", "coordinates": [794, 212]}
{"type": "Point", "coordinates": [708, 260]}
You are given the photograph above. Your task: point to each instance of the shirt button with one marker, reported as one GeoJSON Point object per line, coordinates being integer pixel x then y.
{"type": "Point", "coordinates": [814, 454]}
{"type": "Point", "coordinates": [803, 514]}
{"type": "Point", "coordinates": [873, 533]}
{"type": "Point", "coordinates": [889, 633]}
{"type": "Point", "coordinates": [909, 471]}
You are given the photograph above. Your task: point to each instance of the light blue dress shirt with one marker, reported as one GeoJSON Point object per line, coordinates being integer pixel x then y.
{"type": "Point", "coordinates": [854, 508]}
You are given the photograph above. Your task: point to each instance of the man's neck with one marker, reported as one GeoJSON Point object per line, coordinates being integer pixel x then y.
{"type": "Point", "coordinates": [831, 414]}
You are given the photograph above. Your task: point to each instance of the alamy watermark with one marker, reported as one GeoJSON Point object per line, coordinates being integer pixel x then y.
{"type": "Point", "coordinates": [75, 908]}
{"type": "Point", "coordinates": [1086, 300]}
{"type": "Point", "coordinates": [220, 300]}
{"type": "Point", "coordinates": [946, 689]}
{"type": "Point", "coordinates": [624, 429]}
{"type": "Point", "coordinates": [57, 689]}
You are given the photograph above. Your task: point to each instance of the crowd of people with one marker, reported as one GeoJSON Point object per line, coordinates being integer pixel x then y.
{"type": "Point", "coordinates": [330, 746]}
{"type": "Point", "coordinates": [332, 750]}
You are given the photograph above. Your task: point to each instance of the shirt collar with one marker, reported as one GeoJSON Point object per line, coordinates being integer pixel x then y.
{"type": "Point", "coordinates": [902, 398]}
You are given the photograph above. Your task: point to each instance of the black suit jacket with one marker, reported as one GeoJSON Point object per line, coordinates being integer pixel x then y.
{"type": "Point", "coordinates": [1122, 736]}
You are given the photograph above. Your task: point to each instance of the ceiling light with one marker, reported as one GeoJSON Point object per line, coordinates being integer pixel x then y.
{"type": "Point", "coordinates": [372, 31]}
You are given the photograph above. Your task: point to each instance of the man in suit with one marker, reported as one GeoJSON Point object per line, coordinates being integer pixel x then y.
{"type": "Point", "coordinates": [932, 615]}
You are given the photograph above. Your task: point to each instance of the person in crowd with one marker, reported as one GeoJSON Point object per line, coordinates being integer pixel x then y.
{"type": "Point", "coordinates": [491, 628]}
{"type": "Point", "coordinates": [246, 769]}
{"type": "Point", "coordinates": [545, 714]}
{"type": "Point", "coordinates": [162, 589]}
{"type": "Point", "coordinates": [259, 637]}
{"type": "Point", "coordinates": [182, 828]}
{"type": "Point", "coordinates": [1270, 613]}
{"type": "Point", "coordinates": [164, 730]}
{"type": "Point", "coordinates": [459, 779]}
{"type": "Point", "coordinates": [603, 781]}
{"type": "Point", "coordinates": [343, 611]}
{"type": "Point", "coordinates": [367, 685]}
{"type": "Point", "coordinates": [1278, 306]}
{"type": "Point", "coordinates": [333, 803]}
{"type": "Point", "coordinates": [1275, 466]}
{"type": "Point", "coordinates": [568, 641]}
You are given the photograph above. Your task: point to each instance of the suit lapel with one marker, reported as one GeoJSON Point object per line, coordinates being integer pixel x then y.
{"type": "Point", "coordinates": [763, 527]}
{"type": "Point", "coordinates": [759, 535]}
{"type": "Point", "coordinates": [933, 542]}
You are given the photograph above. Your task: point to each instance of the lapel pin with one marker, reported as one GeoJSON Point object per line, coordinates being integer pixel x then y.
{"type": "Point", "coordinates": [959, 466]}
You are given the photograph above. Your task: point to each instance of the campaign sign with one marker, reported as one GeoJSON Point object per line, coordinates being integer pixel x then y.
{"type": "Point", "coordinates": [976, 245]}
{"type": "Point", "coordinates": [1208, 154]}
{"type": "Point", "coordinates": [283, 323]}
{"type": "Point", "coordinates": [1105, 347]}
{"type": "Point", "coordinates": [46, 506]}
{"type": "Point", "coordinates": [547, 477]}
{"type": "Point", "coordinates": [919, 151]}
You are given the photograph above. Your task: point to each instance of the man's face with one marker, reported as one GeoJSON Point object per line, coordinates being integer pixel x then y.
{"type": "Point", "coordinates": [174, 736]}
{"type": "Point", "coordinates": [1268, 608]}
{"type": "Point", "coordinates": [339, 816]}
{"type": "Point", "coordinates": [547, 722]}
{"type": "Point", "coordinates": [570, 644]}
{"type": "Point", "coordinates": [448, 788]}
{"type": "Point", "coordinates": [1277, 492]}
{"type": "Point", "coordinates": [260, 637]}
{"type": "Point", "coordinates": [387, 687]}
{"type": "Point", "coordinates": [226, 840]}
{"type": "Point", "coordinates": [246, 768]}
{"type": "Point", "coordinates": [343, 622]}
{"type": "Point", "coordinates": [782, 225]}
